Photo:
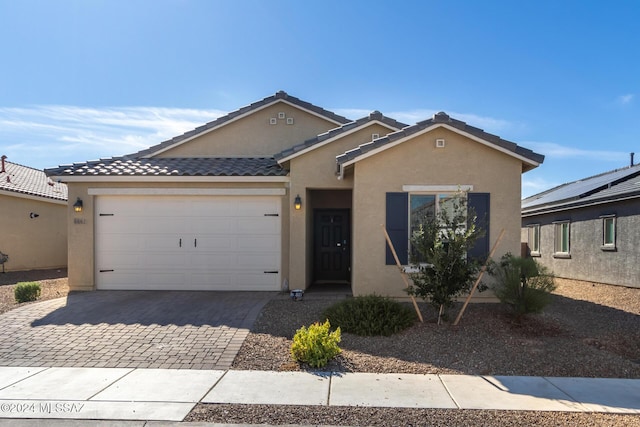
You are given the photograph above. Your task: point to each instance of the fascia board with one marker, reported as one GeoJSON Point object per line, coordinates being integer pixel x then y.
{"type": "Point", "coordinates": [431, 128]}
{"type": "Point", "coordinates": [33, 197]}
{"type": "Point", "coordinates": [161, 179]}
{"type": "Point", "coordinates": [577, 205]}
{"type": "Point", "coordinates": [241, 116]}
{"type": "Point", "coordinates": [335, 138]}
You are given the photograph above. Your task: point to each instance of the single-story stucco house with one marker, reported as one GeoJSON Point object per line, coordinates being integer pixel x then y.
{"type": "Point", "coordinates": [588, 229]}
{"type": "Point", "coordinates": [282, 194]}
{"type": "Point", "coordinates": [33, 218]}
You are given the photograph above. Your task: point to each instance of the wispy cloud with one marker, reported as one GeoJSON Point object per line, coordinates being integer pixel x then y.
{"type": "Point", "coordinates": [50, 135]}
{"type": "Point", "coordinates": [625, 99]}
{"type": "Point", "coordinates": [45, 136]}
{"type": "Point", "coordinates": [557, 151]}
{"type": "Point", "coordinates": [535, 185]}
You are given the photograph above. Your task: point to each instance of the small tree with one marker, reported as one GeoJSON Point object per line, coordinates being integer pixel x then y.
{"type": "Point", "coordinates": [522, 284]}
{"type": "Point", "coordinates": [439, 249]}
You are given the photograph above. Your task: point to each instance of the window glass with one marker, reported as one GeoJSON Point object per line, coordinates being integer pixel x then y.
{"type": "Point", "coordinates": [422, 209]}
{"type": "Point", "coordinates": [609, 235]}
{"type": "Point", "coordinates": [562, 237]}
{"type": "Point", "coordinates": [534, 239]}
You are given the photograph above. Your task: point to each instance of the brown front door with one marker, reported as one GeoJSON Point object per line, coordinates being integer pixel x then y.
{"type": "Point", "coordinates": [332, 246]}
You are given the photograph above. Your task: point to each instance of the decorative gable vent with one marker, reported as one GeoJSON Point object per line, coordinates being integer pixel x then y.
{"type": "Point", "coordinates": [375, 136]}
{"type": "Point", "coordinates": [281, 115]}
{"type": "Point", "coordinates": [273, 121]}
{"type": "Point", "coordinates": [439, 143]}
{"type": "Point", "coordinates": [289, 120]}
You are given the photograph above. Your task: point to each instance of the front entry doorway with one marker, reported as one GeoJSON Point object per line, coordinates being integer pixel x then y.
{"type": "Point", "coordinates": [332, 246]}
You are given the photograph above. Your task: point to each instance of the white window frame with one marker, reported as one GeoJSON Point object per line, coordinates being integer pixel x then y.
{"type": "Point", "coordinates": [533, 239]}
{"type": "Point", "coordinates": [558, 238]}
{"type": "Point", "coordinates": [609, 245]}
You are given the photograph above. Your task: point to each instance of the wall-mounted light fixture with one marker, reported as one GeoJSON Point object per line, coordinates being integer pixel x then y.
{"type": "Point", "coordinates": [77, 206]}
{"type": "Point", "coordinates": [33, 215]}
{"type": "Point", "coordinates": [297, 203]}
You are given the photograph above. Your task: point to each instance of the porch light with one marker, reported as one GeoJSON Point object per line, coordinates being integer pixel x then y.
{"type": "Point", "coordinates": [77, 206]}
{"type": "Point", "coordinates": [297, 203]}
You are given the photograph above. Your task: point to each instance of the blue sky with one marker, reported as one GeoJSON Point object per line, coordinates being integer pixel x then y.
{"type": "Point", "coordinates": [86, 79]}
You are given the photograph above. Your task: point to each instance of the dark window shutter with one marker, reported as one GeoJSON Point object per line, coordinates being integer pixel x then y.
{"type": "Point", "coordinates": [480, 203]}
{"type": "Point", "coordinates": [397, 224]}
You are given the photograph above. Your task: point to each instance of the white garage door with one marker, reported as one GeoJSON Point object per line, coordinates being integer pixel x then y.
{"type": "Point", "coordinates": [188, 242]}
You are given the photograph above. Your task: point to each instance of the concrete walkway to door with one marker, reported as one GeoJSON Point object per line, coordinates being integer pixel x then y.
{"type": "Point", "coordinates": [131, 329]}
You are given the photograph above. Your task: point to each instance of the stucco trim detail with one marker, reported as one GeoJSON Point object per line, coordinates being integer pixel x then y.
{"type": "Point", "coordinates": [186, 191]}
{"type": "Point", "coordinates": [436, 188]}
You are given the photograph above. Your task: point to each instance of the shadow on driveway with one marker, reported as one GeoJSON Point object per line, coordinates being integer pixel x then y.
{"type": "Point", "coordinates": [131, 329]}
{"type": "Point", "coordinates": [232, 309]}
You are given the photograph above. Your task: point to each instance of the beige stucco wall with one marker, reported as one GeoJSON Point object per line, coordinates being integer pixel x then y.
{"type": "Point", "coordinates": [316, 170]}
{"type": "Point", "coordinates": [253, 136]}
{"type": "Point", "coordinates": [33, 243]}
{"type": "Point", "coordinates": [418, 162]}
{"type": "Point", "coordinates": [81, 270]}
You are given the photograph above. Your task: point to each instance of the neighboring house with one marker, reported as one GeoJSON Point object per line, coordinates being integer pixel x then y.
{"type": "Point", "coordinates": [33, 218]}
{"type": "Point", "coordinates": [588, 229]}
{"type": "Point", "coordinates": [282, 194]}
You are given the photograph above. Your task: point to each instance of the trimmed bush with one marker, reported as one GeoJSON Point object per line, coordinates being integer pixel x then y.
{"type": "Point", "coordinates": [27, 291]}
{"type": "Point", "coordinates": [370, 315]}
{"type": "Point", "coordinates": [315, 345]}
{"type": "Point", "coordinates": [522, 284]}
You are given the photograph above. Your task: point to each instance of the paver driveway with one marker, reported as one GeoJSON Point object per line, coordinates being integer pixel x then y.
{"type": "Point", "coordinates": [132, 329]}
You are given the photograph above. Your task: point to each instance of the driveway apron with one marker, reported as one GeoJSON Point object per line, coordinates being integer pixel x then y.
{"type": "Point", "coordinates": [131, 329]}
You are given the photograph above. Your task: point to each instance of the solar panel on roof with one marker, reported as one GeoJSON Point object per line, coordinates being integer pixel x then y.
{"type": "Point", "coordinates": [579, 188]}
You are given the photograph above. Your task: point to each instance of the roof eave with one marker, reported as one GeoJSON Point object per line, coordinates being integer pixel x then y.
{"type": "Point", "coordinates": [235, 119]}
{"type": "Point", "coordinates": [527, 163]}
{"type": "Point", "coordinates": [173, 178]}
{"type": "Point", "coordinates": [335, 138]}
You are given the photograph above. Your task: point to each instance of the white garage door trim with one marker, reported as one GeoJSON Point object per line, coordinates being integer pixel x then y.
{"type": "Point", "coordinates": [182, 242]}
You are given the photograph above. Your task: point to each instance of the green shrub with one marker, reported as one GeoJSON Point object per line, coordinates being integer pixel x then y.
{"type": "Point", "coordinates": [315, 345]}
{"type": "Point", "coordinates": [370, 315]}
{"type": "Point", "coordinates": [27, 291]}
{"type": "Point", "coordinates": [522, 284]}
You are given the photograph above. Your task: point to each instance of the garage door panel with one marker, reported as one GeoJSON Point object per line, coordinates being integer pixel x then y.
{"type": "Point", "coordinates": [213, 225]}
{"type": "Point", "coordinates": [259, 243]}
{"type": "Point", "coordinates": [188, 242]}
{"type": "Point", "coordinates": [264, 225]}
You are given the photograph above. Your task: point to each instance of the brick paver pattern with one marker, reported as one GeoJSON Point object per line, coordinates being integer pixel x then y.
{"type": "Point", "coordinates": [131, 329]}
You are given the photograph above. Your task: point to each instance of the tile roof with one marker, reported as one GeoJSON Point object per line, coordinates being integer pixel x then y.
{"type": "Point", "coordinates": [374, 116]}
{"type": "Point", "coordinates": [437, 119]}
{"type": "Point", "coordinates": [184, 166]}
{"type": "Point", "coordinates": [281, 95]}
{"type": "Point", "coordinates": [26, 180]}
{"type": "Point", "coordinates": [612, 185]}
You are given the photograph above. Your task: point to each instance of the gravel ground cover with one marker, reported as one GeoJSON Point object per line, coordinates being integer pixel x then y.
{"type": "Point", "coordinates": [589, 330]}
{"type": "Point", "coordinates": [53, 284]}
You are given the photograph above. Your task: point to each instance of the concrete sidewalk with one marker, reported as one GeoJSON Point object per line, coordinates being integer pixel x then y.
{"type": "Point", "coordinates": [170, 394]}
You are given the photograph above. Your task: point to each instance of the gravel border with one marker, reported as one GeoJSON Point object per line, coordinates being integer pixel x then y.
{"type": "Point", "coordinates": [589, 330]}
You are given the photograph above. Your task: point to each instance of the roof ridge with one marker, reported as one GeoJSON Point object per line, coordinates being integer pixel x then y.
{"type": "Point", "coordinates": [21, 165]}
{"type": "Point", "coordinates": [333, 132]}
{"type": "Point", "coordinates": [442, 118]}
{"type": "Point", "coordinates": [280, 95]}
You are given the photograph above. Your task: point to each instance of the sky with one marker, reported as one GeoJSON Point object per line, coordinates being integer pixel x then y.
{"type": "Point", "coordinates": [88, 79]}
